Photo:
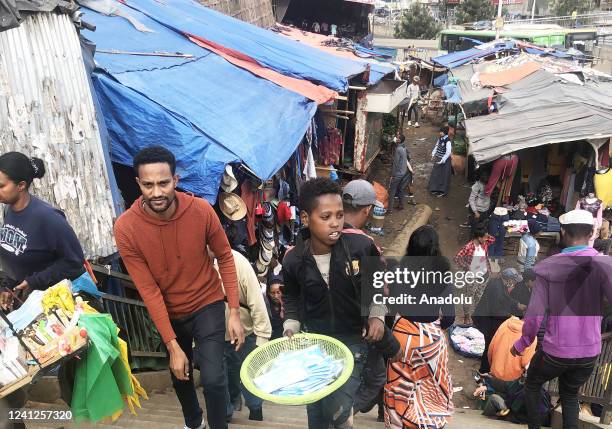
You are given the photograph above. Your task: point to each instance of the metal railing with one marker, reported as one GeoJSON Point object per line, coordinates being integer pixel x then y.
{"type": "Point", "coordinates": [585, 20]}
{"type": "Point", "coordinates": [598, 388]}
{"type": "Point", "coordinates": [132, 317]}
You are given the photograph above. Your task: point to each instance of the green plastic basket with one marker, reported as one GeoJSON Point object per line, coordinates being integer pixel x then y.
{"type": "Point", "coordinates": [260, 359]}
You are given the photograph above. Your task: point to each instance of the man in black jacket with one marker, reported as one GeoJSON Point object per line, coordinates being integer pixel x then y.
{"type": "Point", "coordinates": [358, 198]}
{"type": "Point", "coordinates": [323, 292]}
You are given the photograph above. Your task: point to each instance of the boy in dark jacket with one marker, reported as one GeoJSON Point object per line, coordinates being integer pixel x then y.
{"type": "Point", "coordinates": [323, 292]}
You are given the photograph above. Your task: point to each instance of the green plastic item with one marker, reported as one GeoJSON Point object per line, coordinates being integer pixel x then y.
{"type": "Point", "coordinates": [101, 377]}
{"type": "Point", "coordinates": [260, 359]}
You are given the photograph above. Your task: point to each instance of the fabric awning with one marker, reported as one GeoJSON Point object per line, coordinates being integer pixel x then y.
{"type": "Point", "coordinates": [542, 109]}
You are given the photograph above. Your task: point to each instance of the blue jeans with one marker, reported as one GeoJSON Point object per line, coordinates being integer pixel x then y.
{"type": "Point", "coordinates": [334, 410]}
{"type": "Point", "coordinates": [233, 362]}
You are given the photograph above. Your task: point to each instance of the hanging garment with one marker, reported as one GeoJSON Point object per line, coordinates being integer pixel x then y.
{"type": "Point", "coordinates": [503, 168]}
{"type": "Point", "coordinates": [310, 171]}
{"type": "Point", "coordinates": [250, 199]}
{"type": "Point", "coordinates": [564, 190]}
{"type": "Point", "coordinates": [498, 231]}
{"type": "Point", "coordinates": [595, 207]}
{"type": "Point", "coordinates": [570, 201]}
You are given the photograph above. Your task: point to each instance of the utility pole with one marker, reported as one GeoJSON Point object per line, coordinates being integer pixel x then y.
{"type": "Point", "coordinates": [499, 22]}
{"type": "Point", "coordinates": [533, 10]}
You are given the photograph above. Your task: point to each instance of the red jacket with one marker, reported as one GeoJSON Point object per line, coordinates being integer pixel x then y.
{"type": "Point", "coordinates": [464, 257]}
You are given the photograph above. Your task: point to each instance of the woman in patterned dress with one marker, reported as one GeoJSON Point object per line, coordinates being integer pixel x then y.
{"type": "Point", "coordinates": [418, 392]}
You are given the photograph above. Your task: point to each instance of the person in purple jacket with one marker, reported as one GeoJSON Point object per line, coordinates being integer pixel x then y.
{"type": "Point", "coordinates": [569, 291]}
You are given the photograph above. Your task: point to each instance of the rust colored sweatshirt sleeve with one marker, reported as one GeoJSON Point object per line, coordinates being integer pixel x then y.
{"type": "Point", "coordinates": [145, 283]}
{"type": "Point", "coordinates": [218, 243]}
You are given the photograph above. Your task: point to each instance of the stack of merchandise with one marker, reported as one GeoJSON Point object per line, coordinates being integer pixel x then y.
{"type": "Point", "coordinates": [300, 372]}
{"type": "Point", "coordinates": [516, 226]}
{"type": "Point", "coordinates": [467, 341]}
{"type": "Point", "coordinates": [13, 365]}
{"type": "Point", "coordinates": [37, 337]}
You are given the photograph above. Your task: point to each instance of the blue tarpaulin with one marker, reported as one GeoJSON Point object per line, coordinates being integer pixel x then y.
{"type": "Point", "coordinates": [205, 110]}
{"type": "Point", "coordinates": [274, 51]}
{"type": "Point", "coordinates": [456, 59]}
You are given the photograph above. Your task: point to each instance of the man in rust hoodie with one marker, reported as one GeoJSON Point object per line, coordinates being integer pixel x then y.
{"type": "Point", "coordinates": [162, 240]}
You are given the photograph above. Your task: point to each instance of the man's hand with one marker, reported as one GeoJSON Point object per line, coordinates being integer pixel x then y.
{"type": "Point", "coordinates": [21, 286]}
{"type": "Point", "coordinates": [375, 331]}
{"type": "Point", "coordinates": [288, 333]}
{"type": "Point", "coordinates": [235, 329]}
{"type": "Point", "coordinates": [480, 391]}
{"type": "Point", "coordinates": [6, 300]}
{"type": "Point", "coordinates": [179, 364]}
{"type": "Point", "coordinates": [515, 352]}
{"type": "Point", "coordinates": [522, 307]}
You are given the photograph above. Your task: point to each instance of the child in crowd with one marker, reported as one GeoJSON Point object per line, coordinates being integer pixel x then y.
{"type": "Point", "coordinates": [323, 292]}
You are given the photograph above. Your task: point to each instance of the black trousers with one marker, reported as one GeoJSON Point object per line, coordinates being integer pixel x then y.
{"type": "Point", "coordinates": [206, 328]}
{"type": "Point", "coordinates": [572, 374]}
{"type": "Point", "coordinates": [488, 326]}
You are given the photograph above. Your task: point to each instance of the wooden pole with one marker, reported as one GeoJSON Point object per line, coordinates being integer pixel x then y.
{"type": "Point", "coordinates": [345, 112]}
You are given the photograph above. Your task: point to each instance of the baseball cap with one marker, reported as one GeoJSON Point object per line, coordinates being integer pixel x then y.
{"type": "Point", "coordinates": [576, 216]}
{"type": "Point", "coordinates": [359, 193]}
{"type": "Point", "coordinates": [511, 273]}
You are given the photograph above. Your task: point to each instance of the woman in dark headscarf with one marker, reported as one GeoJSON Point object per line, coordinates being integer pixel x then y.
{"type": "Point", "coordinates": [419, 391]}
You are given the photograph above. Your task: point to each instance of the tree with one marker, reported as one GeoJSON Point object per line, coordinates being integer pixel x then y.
{"type": "Point", "coordinates": [474, 10]}
{"type": "Point", "coordinates": [416, 23]}
{"type": "Point", "coordinates": [566, 7]}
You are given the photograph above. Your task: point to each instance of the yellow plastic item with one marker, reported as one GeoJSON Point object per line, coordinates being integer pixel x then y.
{"type": "Point", "coordinates": [60, 296]}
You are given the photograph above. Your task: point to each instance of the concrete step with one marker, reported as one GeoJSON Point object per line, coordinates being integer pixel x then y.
{"type": "Point", "coordinates": [162, 411]}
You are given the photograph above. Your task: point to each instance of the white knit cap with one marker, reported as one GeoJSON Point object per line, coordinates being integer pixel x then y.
{"type": "Point", "coordinates": [576, 216]}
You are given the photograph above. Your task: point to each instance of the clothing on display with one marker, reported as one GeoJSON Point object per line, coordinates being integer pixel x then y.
{"type": "Point", "coordinates": [497, 230]}
{"type": "Point", "coordinates": [467, 341]}
{"type": "Point", "coordinates": [503, 168]}
{"type": "Point", "coordinates": [603, 186]}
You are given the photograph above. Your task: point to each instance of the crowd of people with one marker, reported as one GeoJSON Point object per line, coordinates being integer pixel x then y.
{"type": "Point", "coordinates": [212, 310]}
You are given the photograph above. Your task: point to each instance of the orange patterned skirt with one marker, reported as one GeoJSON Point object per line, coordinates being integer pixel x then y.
{"type": "Point", "coordinates": [418, 393]}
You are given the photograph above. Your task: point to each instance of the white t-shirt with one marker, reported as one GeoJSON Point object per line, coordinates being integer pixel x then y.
{"type": "Point", "coordinates": [323, 262]}
{"type": "Point", "coordinates": [479, 261]}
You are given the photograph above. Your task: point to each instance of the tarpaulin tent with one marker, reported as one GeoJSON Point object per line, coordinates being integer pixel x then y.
{"type": "Point", "coordinates": [350, 51]}
{"type": "Point", "coordinates": [548, 109]}
{"type": "Point", "coordinates": [266, 47]}
{"type": "Point", "coordinates": [195, 103]}
{"type": "Point", "coordinates": [456, 59]}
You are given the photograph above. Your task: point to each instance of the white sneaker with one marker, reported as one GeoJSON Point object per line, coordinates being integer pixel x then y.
{"type": "Point", "coordinates": [416, 125]}
{"type": "Point", "coordinates": [409, 123]}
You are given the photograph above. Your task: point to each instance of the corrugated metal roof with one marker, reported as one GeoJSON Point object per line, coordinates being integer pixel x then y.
{"type": "Point", "coordinates": [46, 110]}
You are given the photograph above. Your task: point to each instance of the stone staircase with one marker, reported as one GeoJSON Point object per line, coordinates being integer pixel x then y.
{"type": "Point", "coordinates": [162, 411]}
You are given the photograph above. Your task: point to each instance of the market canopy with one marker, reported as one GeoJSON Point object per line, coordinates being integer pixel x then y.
{"type": "Point", "coordinates": [269, 49]}
{"type": "Point", "coordinates": [157, 87]}
{"type": "Point", "coordinates": [542, 109]}
{"type": "Point", "coordinates": [459, 58]}
{"type": "Point", "coordinates": [456, 59]}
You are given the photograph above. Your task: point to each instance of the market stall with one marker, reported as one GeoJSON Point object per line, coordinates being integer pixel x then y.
{"type": "Point", "coordinates": [52, 328]}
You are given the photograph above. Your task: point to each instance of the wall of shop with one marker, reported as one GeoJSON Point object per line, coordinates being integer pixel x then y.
{"type": "Point", "coordinates": [257, 12]}
{"type": "Point", "coordinates": [47, 111]}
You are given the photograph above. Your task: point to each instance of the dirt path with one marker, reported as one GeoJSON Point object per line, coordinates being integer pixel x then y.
{"type": "Point", "coordinates": [448, 213]}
